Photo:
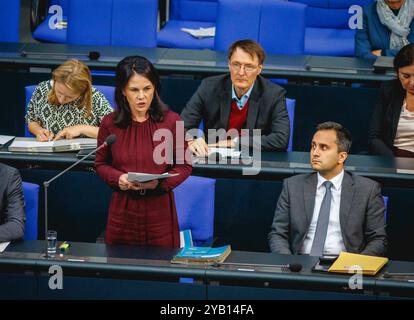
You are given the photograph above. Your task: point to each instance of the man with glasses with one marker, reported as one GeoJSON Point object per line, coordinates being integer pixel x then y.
{"type": "Point", "coordinates": [240, 100]}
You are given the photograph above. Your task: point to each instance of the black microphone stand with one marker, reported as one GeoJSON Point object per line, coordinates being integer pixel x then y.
{"type": "Point", "coordinates": [47, 183]}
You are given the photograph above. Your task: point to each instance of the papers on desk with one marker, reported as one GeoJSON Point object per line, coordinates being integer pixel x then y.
{"type": "Point", "coordinates": [31, 145]}
{"type": "Point", "coordinates": [201, 32]}
{"type": "Point", "coordinates": [5, 139]}
{"type": "Point", "coordinates": [224, 152]}
{"type": "Point", "coordinates": [144, 177]}
{"type": "Point", "coordinates": [370, 265]}
{"type": "Point", "coordinates": [3, 246]}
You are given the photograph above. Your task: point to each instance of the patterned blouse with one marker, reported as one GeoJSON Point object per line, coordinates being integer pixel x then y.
{"type": "Point", "coordinates": [57, 117]}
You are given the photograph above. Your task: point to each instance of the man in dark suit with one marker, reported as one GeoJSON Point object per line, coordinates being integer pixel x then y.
{"type": "Point", "coordinates": [330, 211]}
{"type": "Point", "coordinates": [12, 214]}
{"type": "Point", "coordinates": [240, 100]}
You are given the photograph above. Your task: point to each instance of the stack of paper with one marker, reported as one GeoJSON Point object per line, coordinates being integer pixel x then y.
{"type": "Point", "coordinates": [349, 262]}
{"type": "Point", "coordinates": [5, 139]}
{"type": "Point", "coordinates": [201, 255]}
{"type": "Point", "coordinates": [201, 32]}
{"type": "Point", "coordinates": [144, 177]}
{"type": "Point", "coordinates": [31, 145]}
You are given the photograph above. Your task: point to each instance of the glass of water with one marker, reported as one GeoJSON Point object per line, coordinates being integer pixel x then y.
{"type": "Point", "coordinates": [51, 243]}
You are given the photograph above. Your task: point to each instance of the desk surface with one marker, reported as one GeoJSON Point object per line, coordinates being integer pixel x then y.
{"type": "Point", "coordinates": [273, 165]}
{"type": "Point", "coordinates": [240, 266]}
{"type": "Point", "coordinates": [167, 61]}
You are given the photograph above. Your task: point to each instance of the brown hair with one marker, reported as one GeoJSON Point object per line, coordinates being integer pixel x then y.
{"type": "Point", "coordinates": [249, 46]}
{"type": "Point", "coordinates": [76, 76]}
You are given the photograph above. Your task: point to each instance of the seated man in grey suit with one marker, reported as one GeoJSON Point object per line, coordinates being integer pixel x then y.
{"type": "Point", "coordinates": [330, 211]}
{"type": "Point", "coordinates": [240, 100]}
{"type": "Point", "coordinates": [12, 215]}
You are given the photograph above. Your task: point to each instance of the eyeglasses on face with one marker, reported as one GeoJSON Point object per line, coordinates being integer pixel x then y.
{"type": "Point", "coordinates": [248, 68]}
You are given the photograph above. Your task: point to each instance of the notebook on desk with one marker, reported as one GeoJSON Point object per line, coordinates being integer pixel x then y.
{"type": "Point", "coordinates": [31, 145]}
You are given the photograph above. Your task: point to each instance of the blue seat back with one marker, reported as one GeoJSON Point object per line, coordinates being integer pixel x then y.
{"type": "Point", "coordinates": [108, 92]}
{"type": "Point", "coordinates": [134, 23]}
{"type": "Point", "coordinates": [194, 200]}
{"type": "Point", "coordinates": [31, 199]}
{"type": "Point", "coordinates": [290, 106]}
{"type": "Point", "coordinates": [130, 23]}
{"type": "Point", "coordinates": [89, 22]}
{"type": "Point", "coordinates": [9, 20]}
{"type": "Point", "coordinates": [282, 27]}
{"type": "Point", "coordinates": [236, 22]}
{"type": "Point", "coordinates": [193, 10]}
{"type": "Point", "coordinates": [28, 91]}
{"type": "Point", "coordinates": [329, 13]}
{"type": "Point", "coordinates": [385, 198]}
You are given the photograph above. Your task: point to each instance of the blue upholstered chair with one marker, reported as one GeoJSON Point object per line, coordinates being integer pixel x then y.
{"type": "Point", "coordinates": [194, 200]}
{"type": "Point", "coordinates": [192, 14]}
{"type": "Point", "coordinates": [9, 20]}
{"type": "Point", "coordinates": [31, 199]}
{"type": "Point", "coordinates": [43, 32]}
{"type": "Point", "coordinates": [327, 31]}
{"type": "Point", "coordinates": [108, 92]}
{"type": "Point", "coordinates": [282, 27]}
{"type": "Point", "coordinates": [236, 22]}
{"type": "Point", "coordinates": [131, 23]}
{"type": "Point", "coordinates": [290, 106]}
{"type": "Point", "coordinates": [386, 207]}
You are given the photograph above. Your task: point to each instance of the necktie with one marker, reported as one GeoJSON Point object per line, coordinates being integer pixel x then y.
{"type": "Point", "coordinates": [323, 222]}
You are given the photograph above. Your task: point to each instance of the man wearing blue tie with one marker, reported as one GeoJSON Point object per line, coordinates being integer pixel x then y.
{"type": "Point", "coordinates": [330, 211]}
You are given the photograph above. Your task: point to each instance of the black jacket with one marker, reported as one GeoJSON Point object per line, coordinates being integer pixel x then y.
{"type": "Point", "coordinates": [12, 214]}
{"type": "Point", "coordinates": [384, 121]}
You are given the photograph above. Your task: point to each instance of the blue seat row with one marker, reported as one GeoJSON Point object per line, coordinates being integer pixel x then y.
{"type": "Point", "coordinates": [315, 27]}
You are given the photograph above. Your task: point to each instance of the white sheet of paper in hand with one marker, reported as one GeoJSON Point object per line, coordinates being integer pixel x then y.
{"type": "Point", "coordinates": [144, 177]}
{"type": "Point", "coordinates": [225, 152]}
{"type": "Point", "coordinates": [3, 246]}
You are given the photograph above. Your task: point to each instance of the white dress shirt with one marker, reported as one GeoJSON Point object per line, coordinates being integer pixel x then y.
{"type": "Point", "coordinates": [404, 137]}
{"type": "Point", "coordinates": [334, 243]}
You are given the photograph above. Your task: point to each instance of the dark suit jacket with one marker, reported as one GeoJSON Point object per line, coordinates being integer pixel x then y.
{"type": "Point", "coordinates": [12, 214]}
{"type": "Point", "coordinates": [374, 35]}
{"type": "Point", "coordinates": [361, 215]}
{"type": "Point", "coordinates": [385, 118]}
{"type": "Point", "coordinates": [267, 110]}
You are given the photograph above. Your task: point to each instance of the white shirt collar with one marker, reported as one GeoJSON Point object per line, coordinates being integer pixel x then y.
{"type": "Point", "coordinates": [336, 181]}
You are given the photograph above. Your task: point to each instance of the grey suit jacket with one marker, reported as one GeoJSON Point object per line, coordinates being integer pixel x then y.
{"type": "Point", "coordinates": [267, 110]}
{"type": "Point", "coordinates": [12, 214]}
{"type": "Point", "coordinates": [361, 215]}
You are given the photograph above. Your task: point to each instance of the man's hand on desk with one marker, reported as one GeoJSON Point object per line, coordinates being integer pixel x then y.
{"type": "Point", "coordinates": [198, 147]}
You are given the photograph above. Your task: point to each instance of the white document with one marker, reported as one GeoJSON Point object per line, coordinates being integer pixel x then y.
{"type": "Point", "coordinates": [144, 177]}
{"type": "Point", "coordinates": [225, 152]}
{"type": "Point", "coordinates": [201, 32]}
{"type": "Point", "coordinates": [5, 139]}
{"type": "Point", "coordinates": [31, 145]}
{"type": "Point", "coordinates": [3, 246]}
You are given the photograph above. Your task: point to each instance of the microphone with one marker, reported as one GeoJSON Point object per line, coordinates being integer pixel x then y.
{"type": "Point", "coordinates": [293, 267]}
{"type": "Point", "coordinates": [108, 141]}
{"type": "Point", "coordinates": [92, 55]}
